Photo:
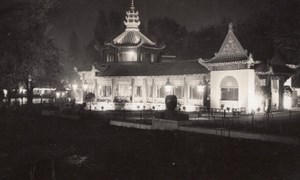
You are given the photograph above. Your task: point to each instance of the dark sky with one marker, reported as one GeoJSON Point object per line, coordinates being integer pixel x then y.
{"type": "Point", "coordinates": [80, 15]}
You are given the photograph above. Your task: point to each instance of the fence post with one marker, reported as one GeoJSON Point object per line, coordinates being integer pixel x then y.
{"type": "Point", "coordinates": [252, 118]}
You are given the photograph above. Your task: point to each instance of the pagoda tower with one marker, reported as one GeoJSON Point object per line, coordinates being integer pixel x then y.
{"type": "Point", "coordinates": [132, 18]}
{"type": "Point", "coordinates": [132, 45]}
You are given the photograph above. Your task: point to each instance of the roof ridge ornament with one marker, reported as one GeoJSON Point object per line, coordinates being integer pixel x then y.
{"type": "Point", "coordinates": [132, 18]}
{"type": "Point", "coordinates": [230, 27]}
{"type": "Point", "coordinates": [132, 5]}
{"type": "Point", "coordinates": [231, 46]}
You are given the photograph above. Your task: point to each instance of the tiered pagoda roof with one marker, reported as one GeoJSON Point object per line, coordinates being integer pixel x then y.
{"type": "Point", "coordinates": [152, 69]}
{"type": "Point", "coordinates": [231, 52]}
{"type": "Point", "coordinates": [132, 37]}
{"type": "Point", "coordinates": [276, 66]}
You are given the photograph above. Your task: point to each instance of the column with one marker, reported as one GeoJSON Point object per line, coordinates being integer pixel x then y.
{"type": "Point", "coordinates": [153, 90]}
{"type": "Point", "coordinates": [185, 90]}
{"type": "Point", "coordinates": [132, 90]}
{"type": "Point", "coordinates": [112, 89]}
{"type": "Point", "coordinates": [281, 93]}
{"type": "Point", "coordinates": [144, 90]}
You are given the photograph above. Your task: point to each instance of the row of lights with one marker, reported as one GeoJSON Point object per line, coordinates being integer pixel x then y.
{"type": "Point", "coordinates": [84, 86]}
{"type": "Point", "coordinates": [169, 87]}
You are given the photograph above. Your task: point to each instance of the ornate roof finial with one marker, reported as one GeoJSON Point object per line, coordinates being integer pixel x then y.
{"type": "Point", "coordinates": [230, 27]}
{"type": "Point", "coordinates": [132, 5]}
{"type": "Point", "coordinates": [132, 18]}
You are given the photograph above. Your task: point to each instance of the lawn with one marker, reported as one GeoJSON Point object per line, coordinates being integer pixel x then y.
{"type": "Point", "coordinates": [46, 147]}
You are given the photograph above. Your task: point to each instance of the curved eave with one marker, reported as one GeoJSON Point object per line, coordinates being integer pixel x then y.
{"type": "Point", "coordinates": [146, 46]}
{"type": "Point", "coordinates": [263, 73]}
{"type": "Point", "coordinates": [132, 35]}
{"type": "Point", "coordinates": [153, 47]}
{"type": "Point", "coordinates": [225, 63]}
{"type": "Point", "coordinates": [126, 45]}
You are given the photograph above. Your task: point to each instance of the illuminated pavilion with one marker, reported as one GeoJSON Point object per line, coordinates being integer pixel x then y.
{"type": "Point", "coordinates": [135, 75]}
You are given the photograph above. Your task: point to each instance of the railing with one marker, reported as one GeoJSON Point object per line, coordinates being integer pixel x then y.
{"type": "Point", "coordinates": [142, 116]}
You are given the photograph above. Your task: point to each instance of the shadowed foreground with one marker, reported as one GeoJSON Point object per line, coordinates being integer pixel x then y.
{"type": "Point", "coordinates": [51, 148]}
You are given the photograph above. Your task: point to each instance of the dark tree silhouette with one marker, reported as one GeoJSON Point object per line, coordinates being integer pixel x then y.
{"type": "Point", "coordinates": [168, 31]}
{"type": "Point", "coordinates": [75, 51]}
{"type": "Point", "coordinates": [28, 56]}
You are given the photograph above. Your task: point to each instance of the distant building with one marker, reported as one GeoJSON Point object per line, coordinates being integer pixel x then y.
{"type": "Point", "coordinates": [134, 74]}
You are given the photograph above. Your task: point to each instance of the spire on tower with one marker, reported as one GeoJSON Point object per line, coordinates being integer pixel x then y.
{"type": "Point", "coordinates": [132, 5]}
{"type": "Point", "coordinates": [230, 26]}
{"type": "Point", "coordinates": [132, 18]}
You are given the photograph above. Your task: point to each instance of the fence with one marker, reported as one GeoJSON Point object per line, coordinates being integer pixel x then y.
{"type": "Point", "coordinates": [143, 116]}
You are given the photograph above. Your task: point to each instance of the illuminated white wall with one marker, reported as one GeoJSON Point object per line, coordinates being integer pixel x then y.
{"type": "Point", "coordinates": [246, 82]}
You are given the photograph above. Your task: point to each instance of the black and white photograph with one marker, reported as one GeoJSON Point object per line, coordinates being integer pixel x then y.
{"type": "Point", "coordinates": [149, 89]}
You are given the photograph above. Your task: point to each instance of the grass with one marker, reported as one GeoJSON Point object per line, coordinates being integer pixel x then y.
{"type": "Point", "coordinates": [31, 140]}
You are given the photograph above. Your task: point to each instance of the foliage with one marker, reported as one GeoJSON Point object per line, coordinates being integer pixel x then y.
{"type": "Point", "coordinates": [75, 51]}
{"type": "Point", "coordinates": [169, 32]}
{"type": "Point", "coordinates": [26, 52]}
{"type": "Point", "coordinates": [107, 27]}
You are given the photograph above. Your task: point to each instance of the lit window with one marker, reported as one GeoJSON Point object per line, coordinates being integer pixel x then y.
{"type": "Point", "coordinates": [138, 92]}
{"type": "Point", "coordinates": [127, 56]}
{"type": "Point", "coordinates": [106, 91]}
{"type": "Point", "coordinates": [124, 90]}
{"type": "Point", "coordinates": [161, 92]}
{"type": "Point", "coordinates": [229, 89]}
{"type": "Point", "coordinates": [110, 58]}
{"type": "Point", "coordinates": [150, 91]}
{"type": "Point", "coordinates": [178, 91]}
{"type": "Point", "coordinates": [148, 57]}
{"type": "Point", "coordinates": [194, 93]}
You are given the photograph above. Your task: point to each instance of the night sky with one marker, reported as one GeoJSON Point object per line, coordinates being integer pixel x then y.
{"type": "Point", "coordinates": [80, 15]}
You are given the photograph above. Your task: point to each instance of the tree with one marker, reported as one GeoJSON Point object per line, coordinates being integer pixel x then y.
{"type": "Point", "coordinates": [107, 27]}
{"type": "Point", "coordinates": [102, 29]}
{"type": "Point", "coordinates": [75, 50]}
{"type": "Point", "coordinates": [115, 21]}
{"type": "Point", "coordinates": [28, 56]}
{"type": "Point", "coordinates": [273, 25]}
{"type": "Point", "coordinates": [168, 31]}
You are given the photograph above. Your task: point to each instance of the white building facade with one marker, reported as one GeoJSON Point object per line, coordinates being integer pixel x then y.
{"type": "Point", "coordinates": [134, 76]}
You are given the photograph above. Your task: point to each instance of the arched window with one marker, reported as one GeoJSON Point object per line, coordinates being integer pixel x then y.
{"type": "Point", "coordinates": [127, 56]}
{"type": "Point", "coordinates": [229, 89]}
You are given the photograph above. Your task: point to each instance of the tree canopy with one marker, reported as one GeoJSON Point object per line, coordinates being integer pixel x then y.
{"type": "Point", "coordinates": [28, 57]}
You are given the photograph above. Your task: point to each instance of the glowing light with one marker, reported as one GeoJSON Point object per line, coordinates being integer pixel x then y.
{"type": "Point", "coordinates": [85, 86]}
{"type": "Point", "coordinates": [22, 90]}
{"type": "Point", "coordinates": [168, 86]}
{"type": "Point", "coordinates": [287, 102]}
{"type": "Point", "coordinates": [57, 94]}
{"type": "Point", "coordinates": [200, 88]}
{"type": "Point", "coordinates": [74, 87]}
{"type": "Point", "coordinates": [5, 92]}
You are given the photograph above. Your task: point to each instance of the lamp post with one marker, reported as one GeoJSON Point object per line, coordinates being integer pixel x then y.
{"type": "Point", "coordinates": [200, 88]}
{"type": "Point", "coordinates": [74, 86]}
{"type": "Point", "coordinates": [22, 91]}
{"type": "Point", "coordinates": [168, 86]}
{"type": "Point", "coordinates": [85, 86]}
{"type": "Point", "coordinates": [42, 93]}
{"type": "Point", "coordinates": [5, 94]}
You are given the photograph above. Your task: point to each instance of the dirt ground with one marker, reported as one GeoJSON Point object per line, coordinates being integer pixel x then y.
{"type": "Point", "coordinates": [39, 147]}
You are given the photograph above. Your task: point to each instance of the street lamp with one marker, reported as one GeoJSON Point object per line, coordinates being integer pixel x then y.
{"type": "Point", "coordinates": [74, 86]}
{"type": "Point", "coordinates": [168, 86]}
{"type": "Point", "coordinates": [200, 87]}
{"type": "Point", "coordinates": [42, 93]}
{"type": "Point", "coordinates": [22, 91]}
{"type": "Point", "coordinates": [85, 85]}
{"type": "Point", "coordinates": [5, 93]}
